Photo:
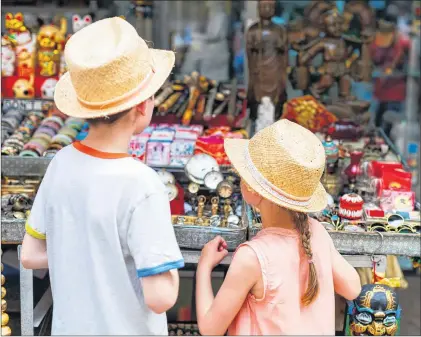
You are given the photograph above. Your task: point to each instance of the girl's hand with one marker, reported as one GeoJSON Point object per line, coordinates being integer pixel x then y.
{"type": "Point", "coordinates": [213, 252]}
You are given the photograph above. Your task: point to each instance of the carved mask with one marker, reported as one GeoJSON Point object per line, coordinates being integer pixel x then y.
{"type": "Point", "coordinates": [375, 312]}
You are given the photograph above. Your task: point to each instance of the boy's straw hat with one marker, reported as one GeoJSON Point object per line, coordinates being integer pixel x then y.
{"type": "Point", "coordinates": [283, 163]}
{"type": "Point", "coordinates": [111, 69]}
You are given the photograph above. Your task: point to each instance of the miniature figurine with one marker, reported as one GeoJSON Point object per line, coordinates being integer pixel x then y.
{"type": "Point", "coordinates": [201, 206]}
{"type": "Point", "coordinates": [8, 58]}
{"type": "Point", "coordinates": [78, 23]}
{"type": "Point", "coordinates": [215, 205]}
{"type": "Point", "coordinates": [267, 54]}
{"type": "Point", "coordinates": [265, 114]}
{"type": "Point", "coordinates": [51, 41]}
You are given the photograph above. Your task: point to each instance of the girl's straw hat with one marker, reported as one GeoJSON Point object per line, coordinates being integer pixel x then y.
{"type": "Point", "coordinates": [111, 69]}
{"type": "Point", "coordinates": [283, 163]}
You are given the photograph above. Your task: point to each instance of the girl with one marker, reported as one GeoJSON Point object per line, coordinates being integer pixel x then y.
{"type": "Point", "coordinates": [283, 281]}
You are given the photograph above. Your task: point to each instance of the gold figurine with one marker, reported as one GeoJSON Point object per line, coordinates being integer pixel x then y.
{"type": "Point", "coordinates": [215, 205]}
{"type": "Point", "coordinates": [227, 209]}
{"type": "Point", "coordinates": [201, 206]}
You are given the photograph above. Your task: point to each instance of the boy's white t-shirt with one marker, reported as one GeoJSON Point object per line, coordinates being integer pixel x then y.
{"type": "Point", "coordinates": [107, 221]}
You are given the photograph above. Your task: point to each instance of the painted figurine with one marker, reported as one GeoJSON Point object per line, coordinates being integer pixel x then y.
{"type": "Point", "coordinates": [375, 312]}
{"type": "Point", "coordinates": [51, 41]}
{"type": "Point", "coordinates": [267, 54]}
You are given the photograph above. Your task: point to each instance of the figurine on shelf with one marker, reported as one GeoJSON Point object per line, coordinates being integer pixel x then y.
{"type": "Point", "coordinates": [265, 114]}
{"type": "Point", "coordinates": [375, 312]}
{"type": "Point", "coordinates": [267, 54]}
{"type": "Point", "coordinates": [336, 57]}
{"type": "Point", "coordinates": [51, 41]}
{"type": "Point", "coordinates": [332, 153]}
{"type": "Point", "coordinates": [8, 58]}
{"type": "Point", "coordinates": [78, 22]}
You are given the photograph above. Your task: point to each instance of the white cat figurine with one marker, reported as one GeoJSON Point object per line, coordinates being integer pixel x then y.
{"type": "Point", "coordinates": [265, 114]}
{"type": "Point", "coordinates": [47, 88]}
{"type": "Point", "coordinates": [8, 59]}
{"type": "Point", "coordinates": [78, 23]}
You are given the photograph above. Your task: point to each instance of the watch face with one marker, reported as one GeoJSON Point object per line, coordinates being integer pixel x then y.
{"type": "Point", "coordinates": [166, 177]}
{"type": "Point", "coordinates": [198, 166]}
{"type": "Point", "coordinates": [212, 179]}
{"type": "Point", "coordinates": [225, 189]}
{"type": "Point", "coordinates": [193, 188]}
{"type": "Point", "coordinates": [172, 191]}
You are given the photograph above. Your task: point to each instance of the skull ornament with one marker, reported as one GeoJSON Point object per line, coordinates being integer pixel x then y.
{"type": "Point", "coordinates": [375, 312]}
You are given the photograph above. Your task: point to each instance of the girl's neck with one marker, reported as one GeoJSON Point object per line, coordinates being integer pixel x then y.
{"type": "Point", "coordinates": [275, 216]}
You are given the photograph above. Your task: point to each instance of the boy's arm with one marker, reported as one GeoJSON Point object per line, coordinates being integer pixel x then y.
{"type": "Point", "coordinates": [34, 253]}
{"type": "Point", "coordinates": [153, 246]}
{"type": "Point", "coordinates": [161, 291]}
{"type": "Point", "coordinates": [345, 278]}
{"type": "Point", "coordinates": [214, 315]}
{"type": "Point", "coordinates": [34, 248]}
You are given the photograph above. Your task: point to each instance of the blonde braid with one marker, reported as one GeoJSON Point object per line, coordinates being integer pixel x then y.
{"type": "Point", "coordinates": [301, 222]}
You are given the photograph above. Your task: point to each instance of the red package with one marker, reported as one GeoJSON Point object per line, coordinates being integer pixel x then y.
{"type": "Point", "coordinates": [213, 146]}
{"type": "Point", "coordinates": [396, 179]}
{"type": "Point", "coordinates": [177, 205]}
{"type": "Point", "coordinates": [377, 167]}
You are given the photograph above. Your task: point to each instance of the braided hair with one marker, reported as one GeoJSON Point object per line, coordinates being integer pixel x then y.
{"type": "Point", "coordinates": [301, 223]}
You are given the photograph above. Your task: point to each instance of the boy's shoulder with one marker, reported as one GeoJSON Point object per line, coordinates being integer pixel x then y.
{"type": "Point", "coordinates": [130, 171]}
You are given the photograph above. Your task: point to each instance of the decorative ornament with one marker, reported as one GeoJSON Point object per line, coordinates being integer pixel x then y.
{"type": "Point", "coordinates": [351, 206]}
{"type": "Point", "coordinates": [375, 312]}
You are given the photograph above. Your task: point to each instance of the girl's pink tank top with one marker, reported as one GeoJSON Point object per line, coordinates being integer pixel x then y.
{"type": "Point", "coordinates": [285, 276]}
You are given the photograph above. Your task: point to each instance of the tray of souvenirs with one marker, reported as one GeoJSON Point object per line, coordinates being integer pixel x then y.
{"type": "Point", "coordinates": [199, 100]}
{"type": "Point", "coordinates": [205, 202]}
{"type": "Point", "coordinates": [394, 234]}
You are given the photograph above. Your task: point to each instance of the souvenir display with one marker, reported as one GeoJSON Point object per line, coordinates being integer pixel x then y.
{"type": "Point", "coordinates": [183, 329]}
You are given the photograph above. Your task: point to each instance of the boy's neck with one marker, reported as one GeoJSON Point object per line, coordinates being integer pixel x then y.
{"type": "Point", "coordinates": [108, 139]}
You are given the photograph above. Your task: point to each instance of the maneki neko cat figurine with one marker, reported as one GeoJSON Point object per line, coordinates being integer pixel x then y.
{"type": "Point", "coordinates": [51, 41]}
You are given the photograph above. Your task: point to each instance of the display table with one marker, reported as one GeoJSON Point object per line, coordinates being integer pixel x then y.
{"type": "Point", "coordinates": [408, 245]}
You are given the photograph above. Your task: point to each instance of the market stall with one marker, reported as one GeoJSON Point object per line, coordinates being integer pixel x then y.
{"type": "Point", "coordinates": [372, 212]}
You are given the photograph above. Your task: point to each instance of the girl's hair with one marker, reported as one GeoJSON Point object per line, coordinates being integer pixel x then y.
{"type": "Point", "coordinates": [301, 222]}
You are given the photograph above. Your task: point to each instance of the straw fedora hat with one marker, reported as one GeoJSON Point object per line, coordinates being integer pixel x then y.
{"type": "Point", "coordinates": [111, 69]}
{"type": "Point", "coordinates": [283, 163]}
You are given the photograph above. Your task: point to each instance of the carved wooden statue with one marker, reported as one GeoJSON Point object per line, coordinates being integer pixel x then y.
{"type": "Point", "coordinates": [336, 57]}
{"type": "Point", "coordinates": [267, 55]}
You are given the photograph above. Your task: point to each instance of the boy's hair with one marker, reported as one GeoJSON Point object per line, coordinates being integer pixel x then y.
{"type": "Point", "coordinates": [108, 120]}
{"type": "Point", "coordinates": [301, 222]}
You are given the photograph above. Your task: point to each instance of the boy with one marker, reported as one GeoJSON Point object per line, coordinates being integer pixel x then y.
{"type": "Point", "coordinates": [101, 220]}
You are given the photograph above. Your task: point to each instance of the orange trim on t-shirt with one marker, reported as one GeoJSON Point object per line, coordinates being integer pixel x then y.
{"type": "Point", "coordinates": [98, 154]}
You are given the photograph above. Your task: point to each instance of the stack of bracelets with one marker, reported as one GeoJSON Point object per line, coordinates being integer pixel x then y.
{"type": "Point", "coordinates": [14, 144]}
{"type": "Point", "coordinates": [9, 122]}
{"type": "Point", "coordinates": [52, 135]}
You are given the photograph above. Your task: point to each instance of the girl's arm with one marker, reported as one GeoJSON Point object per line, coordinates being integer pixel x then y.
{"type": "Point", "coordinates": [214, 315]}
{"type": "Point", "coordinates": [345, 278]}
{"type": "Point", "coordinates": [34, 253]}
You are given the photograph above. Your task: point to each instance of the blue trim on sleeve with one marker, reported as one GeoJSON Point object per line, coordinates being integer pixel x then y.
{"type": "Point", "coordinates": [163, 268]}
